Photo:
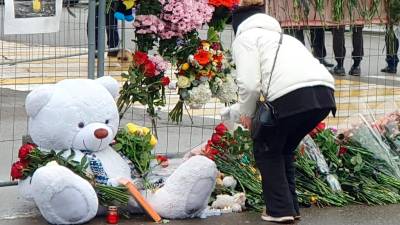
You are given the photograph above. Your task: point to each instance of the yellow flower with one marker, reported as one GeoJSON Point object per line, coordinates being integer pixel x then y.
{"type": "Point", "coordinates": [153, 141]}
{"type": "Point", "coordinates": [313, 199]}
{"type": "Point", "coordinates": [132, 128]}
{"type": "Point", "coordinates": [183, 82]}
{"type": "Point", "coordinates": [185, 66]}
{"type": "Point", "coordinates": [145, 130]}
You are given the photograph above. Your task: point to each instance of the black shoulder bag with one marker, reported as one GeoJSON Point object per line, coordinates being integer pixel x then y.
{"type": "Point", "coordinates": [265, 117]}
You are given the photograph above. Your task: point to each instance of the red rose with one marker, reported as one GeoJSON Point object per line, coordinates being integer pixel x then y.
{"type": "Point", "coordinates": [149, 69]}
{"type": "Point", "coordinates": [16, 170]}
{"type": "Point", "coordinates": [221, 129]}
{"type": "Point", "coordinates": [202, 57]}
{"type": "Point", "coordinates": [342, 150]}
{"type": "Point", "coordinates": [165, 81]}
{"type": "Point", "coordinates": [216, 139]}
{"type": "Point", "coordinates": [321, 126]}
{"type": "Point", "coordinates": [210, 152]}
{"type": "Point", "coordinates": [140, 58]}
{"type": "Point", "coordinates": [25, 150]}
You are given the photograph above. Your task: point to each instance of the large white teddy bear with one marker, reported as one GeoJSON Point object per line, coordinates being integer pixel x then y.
{"type": "Point", "coordinates": [82, 115]}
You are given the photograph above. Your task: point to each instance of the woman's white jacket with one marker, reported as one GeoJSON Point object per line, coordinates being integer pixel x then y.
{"type": "Point", "coordinates": [254, 51]}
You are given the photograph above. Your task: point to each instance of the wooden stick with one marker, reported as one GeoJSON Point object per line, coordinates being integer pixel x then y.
{"type": "Point", "coordinates": [140, 199]}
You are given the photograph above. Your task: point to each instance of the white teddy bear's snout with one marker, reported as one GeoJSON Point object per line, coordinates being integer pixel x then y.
{"type": "Point", "coordinates": [93, 137]}
{"type": "Point", "coordinates": [100, 133]}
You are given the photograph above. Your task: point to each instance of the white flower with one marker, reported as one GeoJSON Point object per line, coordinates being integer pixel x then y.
{"type": "Point", "coordinates": [191, 58]}
{"type": "Point", "coordinates": [200, 95]}
{"type": "Point", "coordinates": [227, 91]}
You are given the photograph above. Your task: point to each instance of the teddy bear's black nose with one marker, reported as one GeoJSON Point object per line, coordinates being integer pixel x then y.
{"type": "Point", "coordinates": [100, 133]}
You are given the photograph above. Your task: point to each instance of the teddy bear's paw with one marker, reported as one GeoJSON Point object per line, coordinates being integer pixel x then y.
{"type": "Point", "coordinates": [63, 197]}
{"type": "Point", "coordinates": [186, 192]}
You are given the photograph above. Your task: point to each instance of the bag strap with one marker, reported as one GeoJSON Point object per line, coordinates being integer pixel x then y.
{"type": "Point", "coordinates": [273, 67]}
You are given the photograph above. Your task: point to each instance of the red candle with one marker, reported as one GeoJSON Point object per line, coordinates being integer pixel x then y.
{"type": "Point", "coordinates": [112, 216]}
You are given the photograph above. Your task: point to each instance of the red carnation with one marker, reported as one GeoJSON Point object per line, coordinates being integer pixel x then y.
{"type": "Point", "coordinates": [149, 69]}
{"type": "Point", "coordinates": [17, 170]}
{"type": "Point", "coordinates": [221, 129]}
{"type": "Point", "coordinates": [140, 58]}
{"type": "Point", "coordinates": [162, 160]}
{"type": "Point", "coordinates": [342, 150]}
{"type": "Point", "coordinates": [25, 150]}
{"type": "Point", "coordinates": [216, 139]}
{"type": "Point", "coordinates": [165, 81]}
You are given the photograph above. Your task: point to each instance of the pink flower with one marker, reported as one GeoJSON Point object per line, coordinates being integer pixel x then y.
{"type": "Point", "coordinates": [153, 29]}
{"type": "Point", "coordinates": [168, 8]}
{"type": "Point", "coordinates": [141, 31]}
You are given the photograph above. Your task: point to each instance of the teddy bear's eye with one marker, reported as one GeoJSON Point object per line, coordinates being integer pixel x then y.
{"type": "Point", "coordinates": [81, 125]}
{"type": "Point", "coordinates": [107, 121]}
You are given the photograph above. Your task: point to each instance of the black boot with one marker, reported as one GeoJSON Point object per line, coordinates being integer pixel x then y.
{"type": "Point", "coordinates": [338, 71]}
{"type": "Point", "coordinates": [389, 69]}
{"type": "Point", "coordinates": [325, 63]}
{"type": "Point", "coordinates": [355, 70]}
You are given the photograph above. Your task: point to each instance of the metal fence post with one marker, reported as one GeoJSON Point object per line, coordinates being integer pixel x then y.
{"type": "Point", "coordinates": [91, 38]}
{"type": "Point", "coordinates": [101, 38]}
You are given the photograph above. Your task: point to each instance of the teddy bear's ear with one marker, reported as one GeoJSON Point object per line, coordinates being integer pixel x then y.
{"type": "Point", "coordinates": [110, 84]}
{"type": "Point", "coordinates": [37, 99]}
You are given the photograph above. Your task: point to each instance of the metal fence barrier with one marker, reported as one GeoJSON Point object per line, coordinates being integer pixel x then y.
{"type": "Point", "coordinates": [28, 61]}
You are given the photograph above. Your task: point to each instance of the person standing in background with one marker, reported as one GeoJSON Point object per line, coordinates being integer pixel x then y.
{"type": "Point", "coordinates": [111, 30]}
{"type": "Point", "coordinates": [391, 54]}
{"type": "Point", "coordinates": [339, 50]}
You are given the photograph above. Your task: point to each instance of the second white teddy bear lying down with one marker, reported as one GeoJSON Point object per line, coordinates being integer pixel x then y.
{"type": "Point", "coordinates": [236, 202]}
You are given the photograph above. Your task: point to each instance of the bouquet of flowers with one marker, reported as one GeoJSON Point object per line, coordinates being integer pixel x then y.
{"type": "Point", "coordinates": [222, 12]}
{"type": "Point", "coordinates": [312, 151]}
{"type": "Point", "coordinates": [136, 143]}
{"type": "Point", "coordinates": [388, 127]}
{"type": "Point", "coordinates": [205, 74]}
{"type": "Point", "coordinates": [160, 20]}
{"type": "Point", "coordinates": [31, 159]}
{"type": "Point", "coordinates": [363, 175]}
{"type": "Point", "coordinates": [144, 83]}
{"type": "Point", "coordinates": [233, 155]}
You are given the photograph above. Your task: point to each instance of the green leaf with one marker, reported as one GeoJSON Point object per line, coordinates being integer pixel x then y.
{"type": "Point", "coordinates": [71, 156]}
{"type": "Point", "coordinates": [212, 35]}
{"type": "Point", "coordinates": [118, 146]}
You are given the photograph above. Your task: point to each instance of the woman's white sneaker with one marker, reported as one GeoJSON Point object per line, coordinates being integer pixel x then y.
{"type": "Point", "coordinates": [283, 219]}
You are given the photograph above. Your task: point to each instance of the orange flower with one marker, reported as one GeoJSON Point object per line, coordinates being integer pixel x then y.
{"type": "Point", "coordinates": [202, 57]}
